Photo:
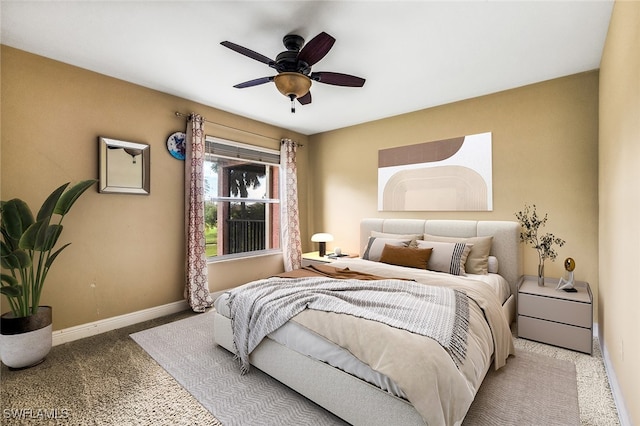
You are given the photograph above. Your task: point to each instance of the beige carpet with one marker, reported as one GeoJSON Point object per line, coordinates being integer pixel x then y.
{"type": "Point", "coordinates": [597, 406]}
{"type": "Point", "coordinates": [100, 380]}
{"type": "Point", "coordinates": [109, 379]}
{"type": "Point", "coordinates": [515, 394]}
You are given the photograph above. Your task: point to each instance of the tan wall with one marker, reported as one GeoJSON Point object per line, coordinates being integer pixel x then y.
{"type": "Point", "coordinates": [619, 316]}
{"type": "Point", "coordinates": [545, 151]}
{"type": "Point", "coordinates": [127, 250]}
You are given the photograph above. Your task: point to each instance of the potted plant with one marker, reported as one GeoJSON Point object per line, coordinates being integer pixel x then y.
{"type": "Point", "coordinates": [531, 223]}
{"type": "Point", "coordinates": [28, 249]}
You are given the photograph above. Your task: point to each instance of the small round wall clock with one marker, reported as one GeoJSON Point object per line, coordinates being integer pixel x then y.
{"type": "Point", "coordinates": [176, 144]}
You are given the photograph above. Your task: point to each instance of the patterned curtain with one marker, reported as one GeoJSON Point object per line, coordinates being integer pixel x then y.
{"type": "Point", "coordinates": [197, 283]}
{"type": "Point", "coordinates": [291, 245]}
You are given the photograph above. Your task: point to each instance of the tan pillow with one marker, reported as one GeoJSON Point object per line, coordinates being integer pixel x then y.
{"type": "Point", "coordinates": [405, 256]}
{"type": "Point", "coordinates": [478, 259]}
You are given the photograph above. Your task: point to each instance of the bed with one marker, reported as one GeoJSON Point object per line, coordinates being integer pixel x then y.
{"type": "Point", "coordinates": [369, 386]}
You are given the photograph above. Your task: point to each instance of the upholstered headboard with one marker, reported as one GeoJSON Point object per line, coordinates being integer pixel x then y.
{"type": "Point", "coordinates": [506, 238]}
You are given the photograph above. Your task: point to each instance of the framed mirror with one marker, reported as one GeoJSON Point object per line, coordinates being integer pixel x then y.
{"type": "Point", "coordinates": [124, 167]}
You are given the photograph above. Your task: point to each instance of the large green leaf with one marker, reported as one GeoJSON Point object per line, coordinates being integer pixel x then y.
{"type": "Point", "coordinates": [34, 235]}
{"type": "Point", "coordinates": [16, 218]}
{"type": "Point", "coordinates": [51, 236]}
{"type": "Point", "coordinates": [10, 280]}
{"type": "Point", "coordinates": [18, 259]}
{"type": "Point", "coordinates": [12, 288]}
{"type": "Point", "coordinates": [8, 262]}
{"type": "Point", "coordinates": [68, 198]}
{"type": "Point", "coordinates": [11, 291]}
{"type": "Point", "coordinates": [5, 250]}
{"type": "Point", "coordinates": [41, 236]}
{"type": "Point", "coordinates": [49, 204]}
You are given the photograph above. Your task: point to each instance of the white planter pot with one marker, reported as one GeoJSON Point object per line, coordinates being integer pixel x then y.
{"type": "Point", "coordinates": [25, 342]}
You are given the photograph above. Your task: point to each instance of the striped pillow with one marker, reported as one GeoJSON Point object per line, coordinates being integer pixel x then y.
{"type": "Point", "coordinates": [376, 245]}
{"type": "Point", "coordinates": [478, 259]}
{"type": "Point", "coordinates": [447, 257]}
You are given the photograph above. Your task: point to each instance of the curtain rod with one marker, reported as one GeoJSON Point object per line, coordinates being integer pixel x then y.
{"type": "Point", "coordinates": [179, 114]}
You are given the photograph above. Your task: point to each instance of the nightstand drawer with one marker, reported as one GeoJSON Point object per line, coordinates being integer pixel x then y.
{"type": "Point", "coordinates": [558, 310]}
{"type": "Point", "coordinates": [563, 335]}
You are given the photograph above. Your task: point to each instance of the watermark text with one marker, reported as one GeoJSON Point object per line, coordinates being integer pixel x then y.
{"type": "Point", "coordinates": [36, 413]}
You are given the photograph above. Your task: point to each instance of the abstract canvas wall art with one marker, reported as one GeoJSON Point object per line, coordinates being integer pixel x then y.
{"type": "Point", "coordinates": [446, 175]}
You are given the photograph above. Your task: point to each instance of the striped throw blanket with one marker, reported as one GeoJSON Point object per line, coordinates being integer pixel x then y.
{"type": "Point", "coordinates": [261, 307]}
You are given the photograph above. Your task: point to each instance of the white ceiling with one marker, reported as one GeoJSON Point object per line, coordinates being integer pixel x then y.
{"type": "Point", "coordinates": [414, 55]}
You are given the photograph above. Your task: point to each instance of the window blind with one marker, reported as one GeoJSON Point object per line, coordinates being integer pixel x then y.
{"type": "Point", "coordinates": [233, 150]}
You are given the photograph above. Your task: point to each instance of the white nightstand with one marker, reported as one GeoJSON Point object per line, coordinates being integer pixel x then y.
{"type": "Point", "coordinates": [555, 316]}
{"type": "Point", "coordinates": [314, 258]}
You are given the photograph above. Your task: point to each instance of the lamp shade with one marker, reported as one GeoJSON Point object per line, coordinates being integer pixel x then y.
{"type": "Point", "coordinates": [321, 237]}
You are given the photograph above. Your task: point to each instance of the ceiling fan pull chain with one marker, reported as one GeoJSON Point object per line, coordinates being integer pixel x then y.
{"type": "Point", "coordinates": [293, 105]}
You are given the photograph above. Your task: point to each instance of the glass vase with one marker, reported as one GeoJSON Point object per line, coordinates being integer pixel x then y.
{"type": "Point", "coordinates": [541, 274]}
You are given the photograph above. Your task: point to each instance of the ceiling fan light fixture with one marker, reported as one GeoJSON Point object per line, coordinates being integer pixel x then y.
{"type": "Point", "coordinates": [292, 84]}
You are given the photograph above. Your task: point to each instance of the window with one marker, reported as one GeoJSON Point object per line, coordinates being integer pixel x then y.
{"type": "Point", "coordinates": [242, 201]}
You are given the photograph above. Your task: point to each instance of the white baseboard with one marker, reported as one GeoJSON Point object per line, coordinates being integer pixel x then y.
{"type": "Point", "coordinates": [623, 414]}
{"type": "Point", "coordinates": [91, 329]}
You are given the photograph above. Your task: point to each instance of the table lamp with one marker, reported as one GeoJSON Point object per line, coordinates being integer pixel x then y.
{"type": "Point", "coordinates": [322, 239]}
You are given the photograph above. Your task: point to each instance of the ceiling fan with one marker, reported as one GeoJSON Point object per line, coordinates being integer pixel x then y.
{"type": "Point", "coordinates": [294, 67]}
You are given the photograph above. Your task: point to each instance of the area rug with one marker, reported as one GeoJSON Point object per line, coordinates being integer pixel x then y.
{"type": "Point", "coordinates": [531, 390]}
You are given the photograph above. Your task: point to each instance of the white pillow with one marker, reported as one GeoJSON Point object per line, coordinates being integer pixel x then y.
{"type": "Point", "coordinates": [447, 257]}
{"type": "Point", "coordinates": [376, 245]}
{"type": "Point", "coordinates": [493, 265]}
{"type": "Point", "coordinates": [412, 237]}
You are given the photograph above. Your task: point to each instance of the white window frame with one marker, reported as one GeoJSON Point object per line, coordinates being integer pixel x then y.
{"type": "Point", "coordinates": [255, 154]}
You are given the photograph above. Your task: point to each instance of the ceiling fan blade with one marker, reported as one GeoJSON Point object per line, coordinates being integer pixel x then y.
{"type": "Point", "coordinates": [337, 79]}
{"type": "Point", "coordinates": [306, 99]}
{"type": "Point", "coordinates": [317, 48]}
{"type": "Point", "coordinates": [251, 83]}
{"type": "Point", "coordinates": [248, 52]}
